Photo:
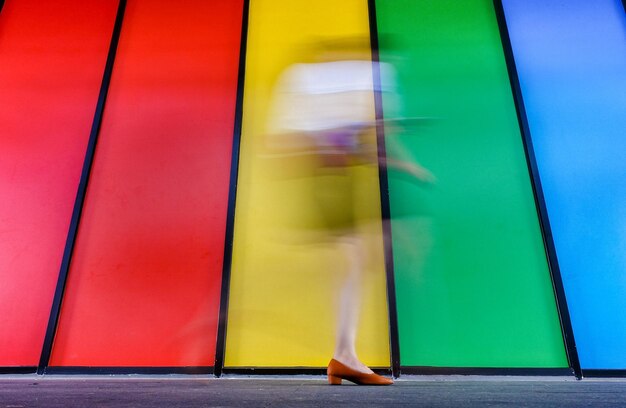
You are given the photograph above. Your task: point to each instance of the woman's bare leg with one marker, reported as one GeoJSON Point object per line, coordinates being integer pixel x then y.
{"type": "Point", "coordinates": [349, 305]}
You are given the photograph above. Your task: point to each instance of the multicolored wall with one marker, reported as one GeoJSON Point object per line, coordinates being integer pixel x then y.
{"type": "Point", "coordinates": [180, 245]}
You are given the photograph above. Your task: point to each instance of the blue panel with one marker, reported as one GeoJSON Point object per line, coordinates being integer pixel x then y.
{"type": "Point", "coordinates": [571, 59]}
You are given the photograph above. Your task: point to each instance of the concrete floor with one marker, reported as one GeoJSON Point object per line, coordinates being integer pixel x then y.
{"type": "Point", "coordinates": [302, 391]}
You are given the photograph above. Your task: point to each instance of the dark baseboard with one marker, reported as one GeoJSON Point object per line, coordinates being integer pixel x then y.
{"type": "Point", "coordinates": [18, 370]}
{"type": "Point", "coordinates": [604, 373]}
{"type": "Point", "coordinates": [289, 370]}
{"type": "Point", "coordinates": [489, 371]}
{"type": "Point", "coordinates": [128, 370]}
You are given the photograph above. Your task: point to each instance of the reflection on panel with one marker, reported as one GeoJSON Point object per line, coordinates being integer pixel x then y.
{"type": "Point", "coordinates": [144, 284]}
{"type": "Point", "coordinates": [571, 58]}
{"type": "Point", "coordinates": [307, 243]}
{"type": "Point", "coordinates": [53, 56]}
{"type": "Point", "coordinates": [473, 286]}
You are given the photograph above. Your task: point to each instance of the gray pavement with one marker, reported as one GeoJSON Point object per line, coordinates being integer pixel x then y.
{"type": "Point", "coordinates": [306, 391]}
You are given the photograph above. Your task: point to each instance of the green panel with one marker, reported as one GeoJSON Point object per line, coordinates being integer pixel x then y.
{"type": "Point", "coordinates": [473, 284]}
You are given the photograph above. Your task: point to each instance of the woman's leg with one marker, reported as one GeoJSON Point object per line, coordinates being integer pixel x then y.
{"type": "Point", "coordinates": [349, 305]}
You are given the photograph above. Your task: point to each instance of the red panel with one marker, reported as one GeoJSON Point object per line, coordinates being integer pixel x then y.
{"type": "Point", "coordinates": [144, 285]}
{"type": "Point", "coordinates": [52, 57]}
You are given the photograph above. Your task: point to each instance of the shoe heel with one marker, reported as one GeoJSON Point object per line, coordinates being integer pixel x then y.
{"type": "Point", "coordinates": [332, 380]}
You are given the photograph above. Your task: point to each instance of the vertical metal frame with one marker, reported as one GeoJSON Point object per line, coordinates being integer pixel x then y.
{"type": "Point", "coordinates": [546, 232]}
{"type": "Point", "coordinates": [81, 193]}
{"type": "Point", "coordinates": [220, 348]}
{"type": "Point", "coordinates": [394, 338]}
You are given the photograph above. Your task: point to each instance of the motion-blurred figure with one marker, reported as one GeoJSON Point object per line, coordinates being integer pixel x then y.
{"type": "Point", "coordinates": [323, 113]}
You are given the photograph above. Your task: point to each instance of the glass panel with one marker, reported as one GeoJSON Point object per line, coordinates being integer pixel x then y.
{"type": "Point", "coordinates": [144, 284]}
{"type": "Point", "coordinates": [473, 286]}
{"type": "Point", "coordinates": [289, 268]}
{"type": "Point", "coordinates": [52, 57]}
{"type": "Point", "coordinates": [571, 58]}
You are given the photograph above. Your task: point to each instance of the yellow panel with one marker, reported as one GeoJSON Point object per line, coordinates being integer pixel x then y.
{"type": "Point", "coordinates": [284, 284]}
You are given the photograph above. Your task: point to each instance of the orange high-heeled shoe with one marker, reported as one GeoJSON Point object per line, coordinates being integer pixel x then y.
{"type": "Point", "coordinates": [337, 371]}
